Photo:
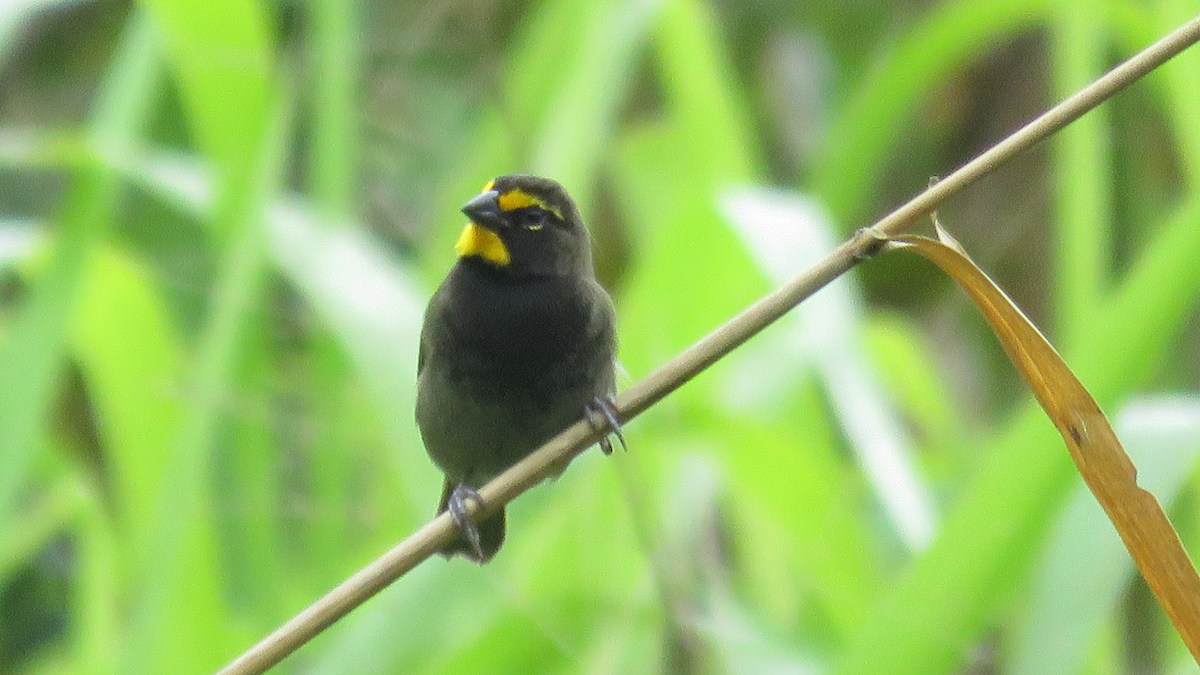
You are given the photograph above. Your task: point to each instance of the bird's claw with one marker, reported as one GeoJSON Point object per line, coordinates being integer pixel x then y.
{"type": "Point", "coordinates": [606, 407]}
{"type": "Point", "coordinates": [458, 507]}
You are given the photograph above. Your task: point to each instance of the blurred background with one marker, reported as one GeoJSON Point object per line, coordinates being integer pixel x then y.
{"type": "Point", "coordinates": [220, 222]}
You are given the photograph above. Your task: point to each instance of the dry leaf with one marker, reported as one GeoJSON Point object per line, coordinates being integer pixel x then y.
{"type": "Point", "coordinates": [1108, 471]}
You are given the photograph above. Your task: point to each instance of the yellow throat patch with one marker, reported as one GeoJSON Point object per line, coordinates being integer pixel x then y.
{"type": "Point", "coordinates": [482, 242]}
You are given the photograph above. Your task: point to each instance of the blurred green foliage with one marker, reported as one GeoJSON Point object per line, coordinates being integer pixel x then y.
{"type": "Point", "coordinates": [219, 223]}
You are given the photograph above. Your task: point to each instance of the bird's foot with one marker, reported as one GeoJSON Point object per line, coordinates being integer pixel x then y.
{"type": "Point", "coordinates": [605, 407]}
{"type": "Point", "coordinates": [459, 510]}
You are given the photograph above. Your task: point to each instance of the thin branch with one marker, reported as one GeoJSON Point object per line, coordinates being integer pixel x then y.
{"type": "Point", "coordinates": [672, 375]}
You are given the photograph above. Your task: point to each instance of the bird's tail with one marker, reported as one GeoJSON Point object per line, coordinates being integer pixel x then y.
{"type": "Point", "coordinates": [491, 533]}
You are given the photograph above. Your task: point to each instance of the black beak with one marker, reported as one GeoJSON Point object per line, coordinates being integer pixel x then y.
{"type": "Point", "coordinates": [484, 210]}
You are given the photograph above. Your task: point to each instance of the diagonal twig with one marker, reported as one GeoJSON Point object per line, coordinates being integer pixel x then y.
{"type": "Point", "coordinates": [537, 466]}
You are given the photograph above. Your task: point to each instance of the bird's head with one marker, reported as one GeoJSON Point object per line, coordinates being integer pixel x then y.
{"type": "Point", "coordinates": [527, 226]}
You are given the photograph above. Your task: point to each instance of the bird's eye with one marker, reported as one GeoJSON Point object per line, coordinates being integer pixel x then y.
{"type": "Point", "coordinates": [534, 219]}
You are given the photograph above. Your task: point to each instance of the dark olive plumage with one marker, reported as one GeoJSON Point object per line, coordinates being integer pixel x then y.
{"type": "Point", "coordinates": [518, 340]}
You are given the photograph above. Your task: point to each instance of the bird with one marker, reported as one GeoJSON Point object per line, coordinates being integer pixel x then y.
{"type": "Point", "coordinates": [518, 342]}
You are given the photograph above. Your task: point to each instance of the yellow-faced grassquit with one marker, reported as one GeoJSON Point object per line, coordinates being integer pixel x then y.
{"type": "Point", "coordinates": [518, 343]}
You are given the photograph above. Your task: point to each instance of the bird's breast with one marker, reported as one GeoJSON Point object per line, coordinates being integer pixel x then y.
{"type": "Point", "coordinates": [507, 363]}
{"type": "Point", "coordinates": [514, 328]}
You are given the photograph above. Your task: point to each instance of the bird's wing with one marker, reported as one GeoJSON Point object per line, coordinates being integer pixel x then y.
{"type": "Point", "coordinates": [420, 357]}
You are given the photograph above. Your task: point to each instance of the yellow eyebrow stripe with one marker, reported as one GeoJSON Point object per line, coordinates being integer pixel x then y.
{"type": "Point", "coordinates": [519, 199]}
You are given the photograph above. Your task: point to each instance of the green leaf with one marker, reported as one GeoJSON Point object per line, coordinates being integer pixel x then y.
{"type": "Point", "coordinates": [874, 114]}
{"type": "Point", "coordinates": [1083, 177]}
{"type": "Point", "coordinates": [222, 57]}
{"type": "Point", "coordinates": [32, 350]}
{"type": "Point", "coordinates": [129, 355]}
